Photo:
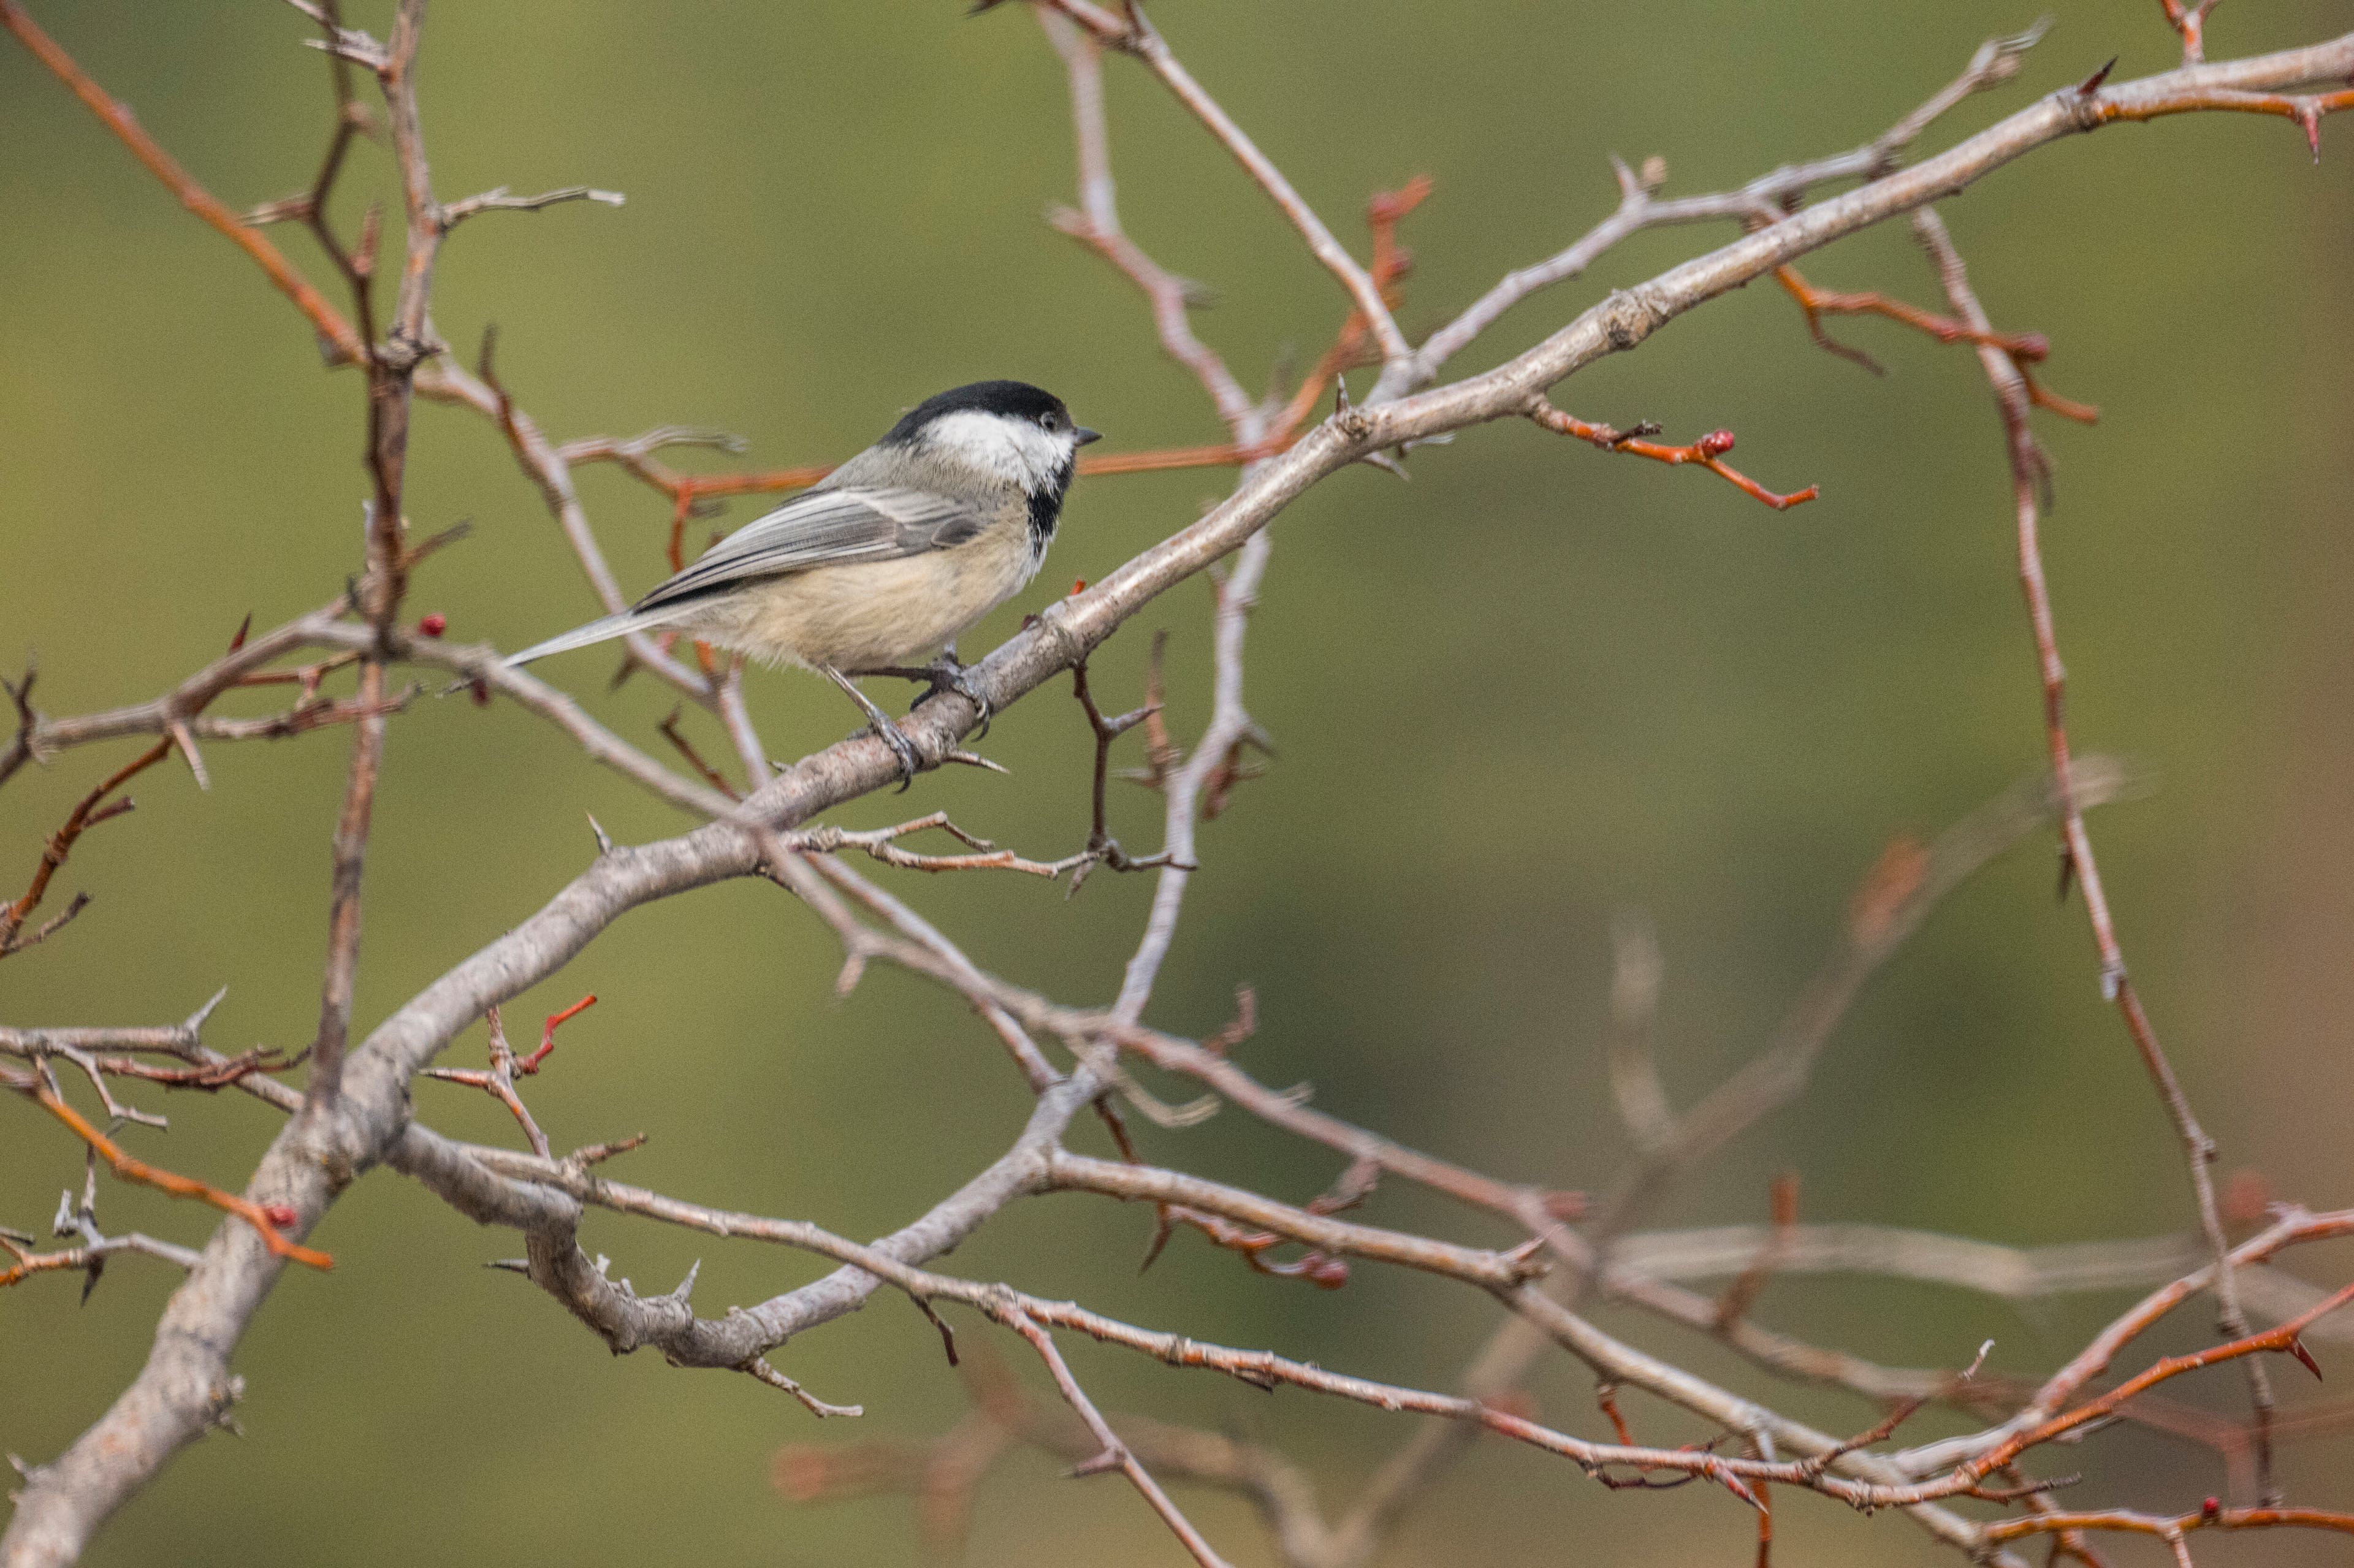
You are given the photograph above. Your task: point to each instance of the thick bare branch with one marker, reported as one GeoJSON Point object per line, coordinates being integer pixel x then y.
{"type": "Point", "coordinates": [362, 1119]}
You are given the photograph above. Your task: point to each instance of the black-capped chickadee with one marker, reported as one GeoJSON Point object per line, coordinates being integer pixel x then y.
{"type": "Point", "coordinates": [888, 560]}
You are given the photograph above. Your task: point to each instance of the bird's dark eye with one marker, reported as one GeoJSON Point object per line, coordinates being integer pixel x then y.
{"type": "Point", "coordinates": [1050, 420]}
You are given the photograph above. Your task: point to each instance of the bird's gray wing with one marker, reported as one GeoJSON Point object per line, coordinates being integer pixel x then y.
{"type": "Point", "coordinates": [824, 528]}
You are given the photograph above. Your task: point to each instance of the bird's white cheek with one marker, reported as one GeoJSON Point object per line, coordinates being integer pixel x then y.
{"type": "Point", "coordinates": [1016, 450]}
{"type": "Point", "coordinates": [982, 442]}
{"type": "Point", "coordinates": [1044, 454]}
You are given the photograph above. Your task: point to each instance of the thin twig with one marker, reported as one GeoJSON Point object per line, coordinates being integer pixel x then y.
{"type": "Point", "coordinates": [1708, 452]}
{"type": "Point", "coordinates": [266, 1222]}
{"type": "Point", "coordinates": [92, 809]}
{"type": "Point", "coordinates": [2199, 1150]}
{"type": "Point", "coordinates": [1137, 37]}
{"type": "Point", "coordinates": [498, 200]}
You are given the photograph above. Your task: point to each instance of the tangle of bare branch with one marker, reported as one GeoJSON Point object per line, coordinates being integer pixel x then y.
{"type": "Point", "coordinates": [356, 1109]}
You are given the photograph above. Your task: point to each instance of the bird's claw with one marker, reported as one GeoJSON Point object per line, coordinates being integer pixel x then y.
{"type": "Point", "coordinates": [904, 749]}
{"type": "Point", "coordinates": [879, 725]}
{"type": "Point", "coordinates": [946, 674]}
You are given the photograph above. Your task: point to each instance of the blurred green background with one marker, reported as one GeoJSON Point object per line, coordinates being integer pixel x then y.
{"type": "Point", "coordinates": [1534, 686]}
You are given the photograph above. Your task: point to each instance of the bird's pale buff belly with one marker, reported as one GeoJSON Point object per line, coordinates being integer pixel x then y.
{"type": "Point", "coordinates": [880, 612]}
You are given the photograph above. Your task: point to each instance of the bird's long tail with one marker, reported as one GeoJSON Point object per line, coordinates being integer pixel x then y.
{"type": "Point", "coordinates": [603, 631]}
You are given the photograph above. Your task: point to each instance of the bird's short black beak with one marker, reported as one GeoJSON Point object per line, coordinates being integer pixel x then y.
{"type": "Point", "coordinates": [1086, 435]}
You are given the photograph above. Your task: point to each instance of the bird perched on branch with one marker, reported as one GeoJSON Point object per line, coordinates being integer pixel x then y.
{"type": "Point", "coordinates": [886, 561]}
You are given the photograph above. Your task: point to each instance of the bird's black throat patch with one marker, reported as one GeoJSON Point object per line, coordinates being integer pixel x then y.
{"type": "Point", "coordinates": [1047, 507]}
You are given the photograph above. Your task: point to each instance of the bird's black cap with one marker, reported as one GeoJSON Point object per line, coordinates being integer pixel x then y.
{"type": "Point", "coordinates": [1011, 400]}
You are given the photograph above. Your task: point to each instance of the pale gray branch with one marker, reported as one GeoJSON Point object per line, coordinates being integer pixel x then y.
{"type": "Point", "coordinates": [498, 200]}
{"type": "Point", "coordinates": [186, 1386]}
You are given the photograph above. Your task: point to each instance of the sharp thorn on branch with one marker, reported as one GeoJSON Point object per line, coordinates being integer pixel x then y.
{"type": "Point", "coordinates": [196, 1020]}
{"type": "Point", "coordinates": [186, 742]}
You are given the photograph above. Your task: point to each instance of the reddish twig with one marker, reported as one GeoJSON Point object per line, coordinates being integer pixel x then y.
{"type": "Point", "coordinates": [1707, 451]}
{"type": "Point", "coordinates": [1162, 753]}
{"type": "Point", "coordinates": [685, 749]}
{"type": "Point", "coordinates": [210, 1077]}
{"type": "Point", "coordinates": [1350, 349]}
{"type": "Point", "coordinates": [689, 492]}
{"type": "Point", "coordinates": [2213, 1516]}
{"type": "Point", "coordinates": [1743, 1293]}
{"type": "Point", "coordinates": [303, 720]}
{"type": "Point", "coordinates": [195, 1343]}
{"type": "Point", "coordinates": [1817, 304]}
{"type": "Point", "coordinates": [547, 1032]}
{"type": "Point", "coordinates": [1320, 1265]}
{"type": "Point", "coordinates": [2305, 109]}
{"type": "Point", "coordinates": [2024, 348]}
{"type": "Point", "coordinates": [1319, 1269]}
{"type": "Point", "coordinates": [2293, 1227]}
{"type": "Point", "coordinates": [306, 677]}
{"type": "Point", "coordinates": [506, 1067]}
{"type": "Point", "coordinates": [1516, 1406]}
{"type": "Point", "coordinates": [2282, 1339]}
{"type": "Point", "coordinates": [265, 1220]}
{"type": "Point", "coordinates": [690, 489]}
{"type": "Point", "coordinates": [2190, 21]}
{"type": "Point", "coordinates": [94, 808]}
{"type": "Point", "coordinates": [1159, 460]}
{"type": "Point", "coordinates": [89, 1259]}
{"type": "Point", "coordinates": [348, 346]}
